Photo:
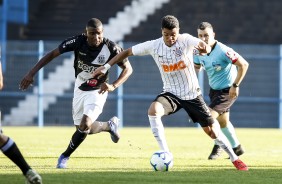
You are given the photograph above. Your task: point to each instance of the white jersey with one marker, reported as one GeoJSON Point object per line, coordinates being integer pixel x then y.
{"type": "Point", "coordinates": [175, 64]}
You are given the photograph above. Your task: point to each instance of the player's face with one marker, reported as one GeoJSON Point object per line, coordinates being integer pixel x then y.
{"type": "Point", "coordinates": [170, 36]}
{"type": "Point", "coordinates": [94, 36]}
{"type": "Point", "coordinates": [207, 35]}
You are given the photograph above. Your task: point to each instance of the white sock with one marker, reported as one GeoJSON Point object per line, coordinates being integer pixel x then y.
{"type": "Point", "coordinates": [222, 141]}
{"type": "Point", "coordinates": [158, 131]}
{"type": "Point", "coordinates": [230, 134]}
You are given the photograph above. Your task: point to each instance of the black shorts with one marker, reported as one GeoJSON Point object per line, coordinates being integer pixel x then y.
{"type": "Point", "coordinates": [196, 108]}
{"type": "Point", "coordinates": [220, 100]}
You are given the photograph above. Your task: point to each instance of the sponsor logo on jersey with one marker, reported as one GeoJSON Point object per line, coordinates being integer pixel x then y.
{"type": "Point", "coordinates": [68, 42]}
{"type": "Point", "coordinates": [92, 82]}
{"type": "Point", "coordinates": [85, 67]}
{"type": "Point", "coordinates": [174, 67]}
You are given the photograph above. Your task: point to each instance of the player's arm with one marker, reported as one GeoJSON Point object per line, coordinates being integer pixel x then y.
{"type": "Point", "coordinates": [1, 77]}
{"type": "Point", "coordinates": [125, 73]}
{"type": "Point", "coordinates": [242, 66]}
{"type": "Point", "coordinates": [118, 58]}
{"type": "Point", "coordinates": [28, 78]}
{"type": "Point", "coordinates": [123, 76]}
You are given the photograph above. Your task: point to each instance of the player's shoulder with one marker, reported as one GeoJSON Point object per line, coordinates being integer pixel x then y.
{"type": "Point", "coordinates": [111, 44]}
{"type": "Point", "coordinates": [226, 51]}
{"type": "Point", "coordinates": [185, 36]}
{"type": "Point", "coordinates": [187, 40]}
{"type": "Point", "coordinates": [222, 46]}
{"type": "Point", "coordinates": [75, 39]}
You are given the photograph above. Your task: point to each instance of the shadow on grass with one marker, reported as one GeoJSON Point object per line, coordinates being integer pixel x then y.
{"type": "Point", "coordinates": [202, 176]}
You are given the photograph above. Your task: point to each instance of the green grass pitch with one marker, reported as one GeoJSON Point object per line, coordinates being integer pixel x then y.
{"type": "Point", "coordinates": [99, 161]}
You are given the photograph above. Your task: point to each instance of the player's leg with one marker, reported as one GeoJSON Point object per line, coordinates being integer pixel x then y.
{"type": "Point", "coordinates": [220, 107]}
{"type": "Point", "coordinates": [99, 126]}
{"type": "Point", "coordinates": [11, 150]}
{"type": "Point", "coordinates": [215, 133]}
{"type": "Point", "coordinates": [229, 131]}
{"type": "Point", "coordinates": [216, 150]}
{"type": "Point", "coordinates": [86, 109]}
{"type": "Point", "coordinates": [199, 112]}
{"type": "Point", "coordinates": [155, 113]}
{"type": "Point", "coordinates": [162, 105]}
{"type": "Point", "coordinates": [110, 126]}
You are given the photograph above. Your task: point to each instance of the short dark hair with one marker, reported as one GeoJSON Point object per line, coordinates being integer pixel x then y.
{"type": "Point", "coordinates": [94, 22]}
{"type": "Point", "coordinates": [204, 25]}
{"type": "Point", "coordinates": [170, 22]}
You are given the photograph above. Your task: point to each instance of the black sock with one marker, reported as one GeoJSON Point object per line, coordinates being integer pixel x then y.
{"type": "Point", "coordinates": [11, 150]}
{"type": "Point", "coordinates": [77, 138]}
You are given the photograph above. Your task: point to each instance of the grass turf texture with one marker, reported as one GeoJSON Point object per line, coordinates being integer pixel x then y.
{"type": "Point", "coordinates": [99, 161]}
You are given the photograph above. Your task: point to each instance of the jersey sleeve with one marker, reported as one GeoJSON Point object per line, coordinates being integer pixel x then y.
{"type": "Point", "coordinates": [142, 49]}
{"type": "Point", "coordinates": [229, 54]}
{"type": "Point", "coordinates": [191, 40]}
{"type": "Point", "coordinates": [232, 55]}
{"type": "Point", "coordinates": [69, 44]}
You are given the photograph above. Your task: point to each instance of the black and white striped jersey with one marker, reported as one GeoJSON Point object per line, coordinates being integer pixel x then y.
{"type": "Point", "coordinates": [175, 64]}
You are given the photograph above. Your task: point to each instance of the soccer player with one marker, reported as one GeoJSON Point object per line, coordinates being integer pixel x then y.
{"type": "Point", "coordinates": [91, 50]}
{"type": "Point", "coordinates": [11, 150]}
{"type": "Point", "coordinates": [225, 70]}
{"type": "Point", "coordinates": [173, 54]}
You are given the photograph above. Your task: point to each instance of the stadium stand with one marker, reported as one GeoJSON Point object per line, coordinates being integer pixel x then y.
{"type": "Point", "coordinates": [58, 19]}
{"type": "Point", "coordinates": [235, 22]}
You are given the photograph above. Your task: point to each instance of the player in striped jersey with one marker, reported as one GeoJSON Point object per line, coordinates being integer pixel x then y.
{"type": "Point", "coordinates": [173, 54]}
{"type": "Point", "coordinates": [225, 70]}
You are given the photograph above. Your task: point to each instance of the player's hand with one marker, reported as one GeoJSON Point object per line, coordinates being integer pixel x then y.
{"type": "Point", "coordinates": [203, 48]}
{"type": "Point", "coordinates": [99, 72]}
{"type": "Point", "coordinates": [26, 82]}
{"type": "Point", "coordinates": [106, 87]}
{"type": "Point", "coordinates": [233, 92]}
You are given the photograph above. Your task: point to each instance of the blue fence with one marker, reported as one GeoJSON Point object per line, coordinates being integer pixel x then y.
{"type": "Point", "coordinates": [48, 102]}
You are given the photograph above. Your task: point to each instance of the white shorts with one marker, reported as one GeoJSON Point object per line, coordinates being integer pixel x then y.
{"type": "Point", "coordinates": [90, 103]}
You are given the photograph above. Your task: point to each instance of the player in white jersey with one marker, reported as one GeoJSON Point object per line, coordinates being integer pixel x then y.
{"type": "Point", "coordinates": [173, 54]}
{"type": "Point", "coordinates": [91, 50]}
{"type": "Point", "coordinates": [225, 70]}
{"type": "Point", "coordinates": [11, 150]}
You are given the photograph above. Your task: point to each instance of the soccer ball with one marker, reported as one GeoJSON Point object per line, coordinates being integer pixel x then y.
{"type": "Point", "coordinates": [161, 161]}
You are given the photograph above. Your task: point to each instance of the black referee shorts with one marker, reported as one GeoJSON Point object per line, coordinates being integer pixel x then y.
{"type": "Point", "coordinates": [220, 100]}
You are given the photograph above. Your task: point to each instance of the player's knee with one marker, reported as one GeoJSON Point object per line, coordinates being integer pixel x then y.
{"type": "Point", "coordinates": [156, 109]}
{"type": "Point", "coordinates": [85, 124]}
